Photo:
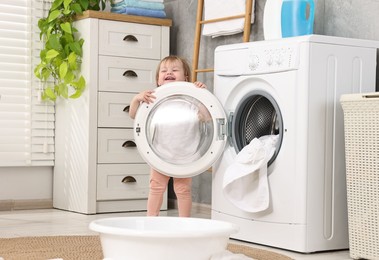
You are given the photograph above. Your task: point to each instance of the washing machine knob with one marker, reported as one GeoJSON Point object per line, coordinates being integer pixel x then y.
{"type": "Point", "coordinates": [254, 62]}
{"type": "Point", "coordinates": [269, 61]}
{"type": "Point", "coordinates": [279, 60]}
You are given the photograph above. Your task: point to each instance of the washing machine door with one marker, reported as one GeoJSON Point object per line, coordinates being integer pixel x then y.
{"type": "Point", "coordinates": [182, 133]}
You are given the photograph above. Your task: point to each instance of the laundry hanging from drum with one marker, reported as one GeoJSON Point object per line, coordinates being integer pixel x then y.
{"type": "Point", "coordinates": [214, 9]}
{"type": "Point", "coordinates": [245, 181]}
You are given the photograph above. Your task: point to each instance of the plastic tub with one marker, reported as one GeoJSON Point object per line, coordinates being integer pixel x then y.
{"type": "Point", "coordinates": [165, 238]}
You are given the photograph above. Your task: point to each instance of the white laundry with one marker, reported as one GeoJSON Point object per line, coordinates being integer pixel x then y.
{"type": "Point", "coordinates": [175, 131]}
{"type": "Point", "coordinates": [227, 255]}
{"type": "Point", "coordinates": [214, 9]}
{"type": "Point", "coordinates": [245, 181]}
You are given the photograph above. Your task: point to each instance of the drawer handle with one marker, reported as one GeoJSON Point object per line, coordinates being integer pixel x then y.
{"type": "Point", "coordinates": [129, 179]}
{"type": "Point", "coordinates": [130, 38]}
{"type": "Point", "coordinates": [129, 144]}
{"type": "Point", "coordinates": [130, 73]}
{"type": "Point", "coordinates": [126, 109]}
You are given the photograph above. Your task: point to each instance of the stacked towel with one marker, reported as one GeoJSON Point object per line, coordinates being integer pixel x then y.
{"type": "Point", "coordinates": [214, 9]}
{"type": "Point", "coordinates": [158, 1]}
{"type": "Point", "coordinates": [151, 8]}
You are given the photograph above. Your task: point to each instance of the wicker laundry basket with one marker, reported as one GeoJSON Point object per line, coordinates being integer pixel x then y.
{"type": "Point", "coordinates": [361, 121]}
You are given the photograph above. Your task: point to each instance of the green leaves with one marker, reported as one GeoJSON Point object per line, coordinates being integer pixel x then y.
{"type": "Point", "coordinates": [56, 4]}
{"type": "Point", "coordinates": [51, 54]}
{"type": "Point", "coordinates": [49, 93]}
{"type": "Point", "coordinates": [66, 27]}
{"type": "Point", "coordinates": [53, 42]}
{"type": "Point", "coordinates": [60, 57]}
{"type": "Point", "coordinates": [79, 86]}
{"type": "Point", "coordinates": [84, 4]}
{"type": "Point", "coordinates": [66, 3]}
{"type": "Point", "coordinates": [77, 8]}
{"type": "Point", "coordinates": [76, 47]}
{"type": "Point", "coordinates": [54, 15]}
{"type": "Point", "coordinates": [63, 70]}
{"type": "Point", "coordinates": [72, 61]}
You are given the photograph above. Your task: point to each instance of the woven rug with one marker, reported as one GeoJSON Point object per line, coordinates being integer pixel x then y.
{"type": "Point", "coordinates": [89, 248]}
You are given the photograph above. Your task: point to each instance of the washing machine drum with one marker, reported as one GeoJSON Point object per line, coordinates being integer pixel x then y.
{"type": "Point", "coordinates": [180, 134]}
{"type": "Point", "coordinates": [256, 116]}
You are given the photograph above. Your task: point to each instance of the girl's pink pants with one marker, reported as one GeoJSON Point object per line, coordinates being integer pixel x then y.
{"type": "Point", "coordinates": [158, 185]}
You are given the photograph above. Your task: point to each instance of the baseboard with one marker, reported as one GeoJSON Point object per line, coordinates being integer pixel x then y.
{"type": "Point", "coordinates": [9, 205]}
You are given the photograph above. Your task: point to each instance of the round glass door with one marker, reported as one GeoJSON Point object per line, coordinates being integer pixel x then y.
{"type": "Point", "coordinates": [180, 129]}
{"type": "Point", "coordinates": [180, 134]}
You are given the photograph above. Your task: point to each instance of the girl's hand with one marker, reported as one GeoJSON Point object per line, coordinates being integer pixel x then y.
{"type": "Point", "coordinates": [146, 96]}
{"type": "Point", "coordinates": [200, 84]}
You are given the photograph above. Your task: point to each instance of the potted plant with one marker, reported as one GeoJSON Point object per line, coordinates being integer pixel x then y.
{"type": "Point", "coordinates": [61, 55]}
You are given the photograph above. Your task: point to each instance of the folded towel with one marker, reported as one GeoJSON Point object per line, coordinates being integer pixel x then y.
{"type": "Point", "coordinates": [116, 2]}
{"type": "Point", "coordinates": [139, 12]}
{"type": "Point", "coordinates": [138, 4]}
{"type": "Point", "coordinates": [245, 181]}
{"type": "Point", "coordinates": [118, 9]}
{"type": "Point", "coordinates": [214, 9]}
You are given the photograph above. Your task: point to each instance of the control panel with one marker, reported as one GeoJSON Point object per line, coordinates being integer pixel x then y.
{"type": "Point", "coordinates": [272, 58]}
{"type": "Point", "coordinates": [256, 58]}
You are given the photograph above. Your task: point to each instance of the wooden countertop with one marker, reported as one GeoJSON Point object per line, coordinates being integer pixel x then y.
{"type": "Point", "coordinates": [125, 18]}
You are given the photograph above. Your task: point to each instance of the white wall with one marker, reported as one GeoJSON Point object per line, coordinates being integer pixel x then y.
{"type": "Point", "coordinates": [26, 183]}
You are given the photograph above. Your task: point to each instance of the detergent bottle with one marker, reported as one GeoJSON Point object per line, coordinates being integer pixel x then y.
{"type": "Point", "coordinates": [297, 17]}
{"type": "Point", "coordinates": [272, 19]}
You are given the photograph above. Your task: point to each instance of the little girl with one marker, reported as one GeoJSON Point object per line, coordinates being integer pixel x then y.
{"type": "Point", "coordinates": [170, 69]}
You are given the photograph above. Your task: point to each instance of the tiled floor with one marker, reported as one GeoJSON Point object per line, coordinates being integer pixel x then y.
{"type": "Point", "coordinates": [48, 222]}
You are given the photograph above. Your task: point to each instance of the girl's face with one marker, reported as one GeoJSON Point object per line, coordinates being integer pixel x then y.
{"type": "Point", "coordinates": [170, 71]}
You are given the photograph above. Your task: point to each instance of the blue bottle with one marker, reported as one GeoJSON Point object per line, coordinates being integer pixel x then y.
{"type": "Point", "coordinates": [297, 17]}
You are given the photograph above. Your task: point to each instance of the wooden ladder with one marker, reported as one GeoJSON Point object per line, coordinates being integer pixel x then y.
{"type": "Point", "coordinates": [200, 22]}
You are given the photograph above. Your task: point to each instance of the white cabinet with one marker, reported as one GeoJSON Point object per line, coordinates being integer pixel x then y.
{"type": "Point", "coordinates": [97, 166]}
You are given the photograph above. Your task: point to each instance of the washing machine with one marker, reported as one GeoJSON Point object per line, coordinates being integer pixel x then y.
{"type": "Point", "coordinates": [291, 88]}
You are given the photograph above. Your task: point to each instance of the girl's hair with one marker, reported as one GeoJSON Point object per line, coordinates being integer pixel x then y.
{"type": "Point", "coordinates": [172, 58]}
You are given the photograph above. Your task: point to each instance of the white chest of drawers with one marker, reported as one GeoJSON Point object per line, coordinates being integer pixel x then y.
{"type": "Point", "coordinates": [97, 166]}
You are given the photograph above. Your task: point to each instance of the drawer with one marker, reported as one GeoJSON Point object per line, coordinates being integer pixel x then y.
{"type": "Point", "coordinates": [114, 146]}
{"type": "Point", "coordinates": [122, 181]}
{"type": "Point", "coordinates": [126, 75]}
{"type": "Point", "coordinates": [111, 108]}
{"type": "Point", "coordinates": [129, 39]}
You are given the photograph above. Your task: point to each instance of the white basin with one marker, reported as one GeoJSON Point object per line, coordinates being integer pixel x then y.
{"type": "Point", "coordinates": [162, 238]}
